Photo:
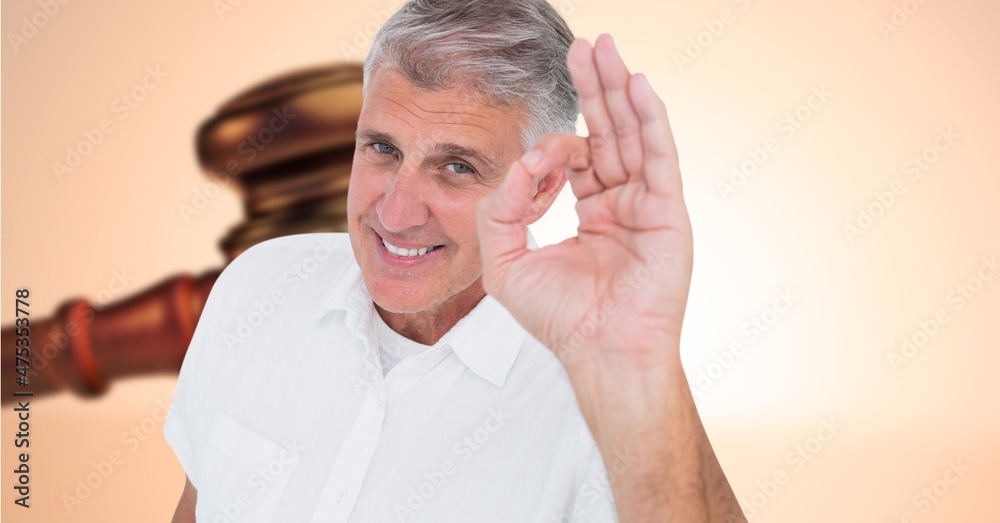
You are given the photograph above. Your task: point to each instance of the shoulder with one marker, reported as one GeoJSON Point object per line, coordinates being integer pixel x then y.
{"type": "Point", "coordinates": [297, 269]}
{"type": "Point", "coordinates": [319, 247]}
{"type": "Point", "coordinates": [245, 317]}
{"type": "Point", "coordinates": [286, 258]}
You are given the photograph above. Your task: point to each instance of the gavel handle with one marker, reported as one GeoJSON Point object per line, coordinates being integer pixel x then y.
{"type": "Point", "coordinates": [83, 349]}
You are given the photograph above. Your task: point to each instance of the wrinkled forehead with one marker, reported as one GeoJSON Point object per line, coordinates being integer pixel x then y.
{"type": "Point", "coordinates": [427, 118]}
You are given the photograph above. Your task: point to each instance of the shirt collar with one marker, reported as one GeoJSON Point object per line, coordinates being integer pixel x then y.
{"type": "Point", "coordinates": [349, 294]}
{"type": "Point", "coordinates": [487, 340]}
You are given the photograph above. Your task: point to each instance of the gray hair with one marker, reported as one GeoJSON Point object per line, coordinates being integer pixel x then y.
{"type": "Point", "coordinates": [511, 52]}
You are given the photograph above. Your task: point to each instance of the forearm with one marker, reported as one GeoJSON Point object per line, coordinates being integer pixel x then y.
{"type": "Point", "coordinates": [648, 415]}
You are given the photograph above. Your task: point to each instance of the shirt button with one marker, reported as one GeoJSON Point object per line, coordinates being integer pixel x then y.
{"type": "Point", "coordinates": [341, 496]}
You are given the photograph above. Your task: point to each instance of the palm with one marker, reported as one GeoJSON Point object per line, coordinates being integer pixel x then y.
{"type": "Point", "coordinates": [625, 276]}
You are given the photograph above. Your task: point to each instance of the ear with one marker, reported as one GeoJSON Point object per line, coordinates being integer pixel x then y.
{"type": "Point", "coordinates": [546, 189]}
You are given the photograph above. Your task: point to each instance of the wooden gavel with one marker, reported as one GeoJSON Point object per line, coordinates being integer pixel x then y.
{"type": "Point", "coordinates": [288, 143]}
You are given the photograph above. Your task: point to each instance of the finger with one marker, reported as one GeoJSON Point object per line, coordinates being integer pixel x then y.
{"type": "Point", "coordinates": [662, 170]}
{"type": "Point", "coordinates": [572, 153]}
{"type": "Point", "coordinates": [614, 77]}
{"type": "Point", "coordinates": [502, 216]}
{"type": "Point", "coordinates": [501, 224]}
{"type": "Point", "coordinates": [603, 143]}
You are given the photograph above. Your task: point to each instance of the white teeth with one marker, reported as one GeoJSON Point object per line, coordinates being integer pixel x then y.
{"type": "Point", "coordinates": [406, 253]}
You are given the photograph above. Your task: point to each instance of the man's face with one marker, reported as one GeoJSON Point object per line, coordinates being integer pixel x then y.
{"type": "Point", "coordinates": [423, 160]}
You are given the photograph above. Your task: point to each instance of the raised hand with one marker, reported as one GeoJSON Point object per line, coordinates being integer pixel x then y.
{"type": "Point", "coordinates": [616, 293]}
{"type": "Point", "coordinates": [610, 302]}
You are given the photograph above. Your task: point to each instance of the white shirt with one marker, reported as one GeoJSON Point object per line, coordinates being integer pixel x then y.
{"type": "Point", "coordinates": [282, 411]}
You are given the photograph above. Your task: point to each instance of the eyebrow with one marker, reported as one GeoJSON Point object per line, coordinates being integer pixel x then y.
{"type": "Point", "coordinates": [450, 149]}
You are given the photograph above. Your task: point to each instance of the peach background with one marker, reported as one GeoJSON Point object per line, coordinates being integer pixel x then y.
{"type": "Point", "coordinates": [826, 357]}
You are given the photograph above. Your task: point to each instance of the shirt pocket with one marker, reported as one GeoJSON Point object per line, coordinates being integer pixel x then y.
{"type": "Point", "coordinates": [244, 473]}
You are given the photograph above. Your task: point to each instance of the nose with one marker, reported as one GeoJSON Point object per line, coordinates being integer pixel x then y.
{"type": "Point", "coordinates": [403, 205]}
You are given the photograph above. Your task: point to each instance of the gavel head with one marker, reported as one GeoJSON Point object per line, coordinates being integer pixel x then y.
{"type": "Point", "coordinates": [286, 145]}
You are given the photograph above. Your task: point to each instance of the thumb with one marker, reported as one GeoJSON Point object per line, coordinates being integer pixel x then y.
{"type": "Point", "coordinates": [501, 221]}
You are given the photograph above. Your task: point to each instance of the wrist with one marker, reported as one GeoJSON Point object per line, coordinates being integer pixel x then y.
{"type": "Point", "coordinates": [629, 400]}
{"type": "Point", "coordinates": [648, 353]}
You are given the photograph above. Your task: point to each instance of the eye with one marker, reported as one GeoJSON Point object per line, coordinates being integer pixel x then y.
{"type": "Point", "coordinates": [459, 168]}
{"type": "Point", "coordinates": [383, 148]}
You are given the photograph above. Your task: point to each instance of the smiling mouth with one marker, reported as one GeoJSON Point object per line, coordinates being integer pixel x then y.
{"type": "Point", "coordinates": [409, 253]}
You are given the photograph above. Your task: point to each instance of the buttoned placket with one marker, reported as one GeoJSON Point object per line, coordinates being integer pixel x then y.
{"type": "Point", "coordinates": [347, 476]}
{"type": "Point", "coordinates": [349, 469]}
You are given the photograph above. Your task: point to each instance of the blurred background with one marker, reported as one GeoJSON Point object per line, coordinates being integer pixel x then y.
{"type": "Point", "coordinates": [844, 317]}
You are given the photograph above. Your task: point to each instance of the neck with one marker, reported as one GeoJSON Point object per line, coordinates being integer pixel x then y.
{"type": "Point", "coordinates": [429, 326]}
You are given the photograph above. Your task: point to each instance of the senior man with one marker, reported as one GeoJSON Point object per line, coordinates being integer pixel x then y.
{"type": "Point", "coordinates": [434, 365]}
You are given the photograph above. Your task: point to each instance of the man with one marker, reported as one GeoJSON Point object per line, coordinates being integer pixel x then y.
{"type": "Point", "coordinates": [380, 382]}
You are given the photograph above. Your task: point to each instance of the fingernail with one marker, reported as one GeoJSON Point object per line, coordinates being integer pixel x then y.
{"type": "Point", "coordinates": [532, 158]}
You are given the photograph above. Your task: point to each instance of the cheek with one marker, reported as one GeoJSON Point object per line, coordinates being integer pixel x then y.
{"type": "Point", "coordinates": [457, 217]}
{"type": "Point", "coordinates": [362, 192]}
